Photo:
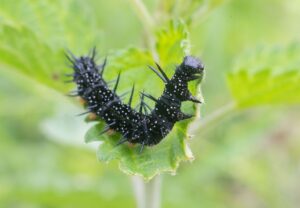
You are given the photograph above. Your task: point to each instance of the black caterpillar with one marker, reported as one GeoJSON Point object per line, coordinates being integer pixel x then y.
{"type": "Point", "coordinates": [135, 125]}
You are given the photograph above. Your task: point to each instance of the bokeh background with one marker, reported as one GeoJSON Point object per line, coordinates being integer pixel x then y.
{"type": "Point", "coordinates": [248, 159]}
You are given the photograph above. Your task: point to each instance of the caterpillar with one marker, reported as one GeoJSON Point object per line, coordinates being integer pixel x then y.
{"type": "Point", "coordinates": [141, 125]}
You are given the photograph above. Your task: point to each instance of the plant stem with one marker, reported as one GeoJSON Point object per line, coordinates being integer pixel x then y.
{"type": "Point", "coordinates": [147, 194]}
{"type": "Point", "coordinates": [148, 25]}
{"type": "Point", "coordinates": [143, 13]}
{"type": "Point", "coordinates": [203, 125]}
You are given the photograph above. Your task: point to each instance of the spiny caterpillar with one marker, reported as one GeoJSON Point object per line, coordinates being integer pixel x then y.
{"type": "Point", "coordinates": [144, 125]}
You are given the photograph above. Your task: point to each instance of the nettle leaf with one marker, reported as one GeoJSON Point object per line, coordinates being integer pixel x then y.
{"type": "Point", "coordinates": [56, 23]}
{"type": "Point", "coordinates": [20, 50]}
{"type": "Point", "coordinates": [172, 44]}
{"type": "Point", "coordinates": [166, 156]}
{"type": "Point", "coordinates": [267, 77]}
{"type": "Point", "coordinates": [33, 44]}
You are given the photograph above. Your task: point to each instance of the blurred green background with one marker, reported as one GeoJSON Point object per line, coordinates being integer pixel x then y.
{"type": "Point", "coordinates": [250, 159]}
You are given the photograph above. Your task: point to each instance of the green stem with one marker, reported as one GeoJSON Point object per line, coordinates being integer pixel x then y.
{"type": "Point", "coordinates": [200, 125]}
{"type": "Point", "coordinates": [148, 24]}
{"type": "Point", "coordinates": [143, 13]}
{"type": "Point", "coordinates": [147, 194]}
{"type": "Point", "coordinates": [199, 14]}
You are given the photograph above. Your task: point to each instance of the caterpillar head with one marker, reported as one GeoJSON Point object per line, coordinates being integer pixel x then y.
{"type": "Point", "coordinates": [85, 63]}
{"type": "Point", "coordinates": [191, 68]}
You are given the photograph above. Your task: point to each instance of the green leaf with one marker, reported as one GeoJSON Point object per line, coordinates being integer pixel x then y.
{"type": "Point", "coordinates": [267, 77]}
{"type": "Point", "coordinates": [172, 43]}
{"type": "Point", "coordinates": [35, 35]}
{"type": "Point", "coordinates": [166, 156]}
{"type": "Point", "coordinates": [20, 50]}
{"type": "Point", "coordinates": [59, 24]}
